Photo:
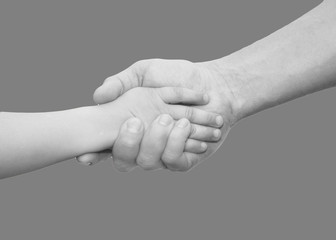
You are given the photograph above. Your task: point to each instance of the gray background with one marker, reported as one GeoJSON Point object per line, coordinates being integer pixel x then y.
{"type": "Point", "coordinates": [274, 178]}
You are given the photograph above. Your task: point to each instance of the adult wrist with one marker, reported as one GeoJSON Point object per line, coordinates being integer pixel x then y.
{"type": "Point", "coordinates": [234, 80]}
{"type": "Point", "coordinates": [252, 79]}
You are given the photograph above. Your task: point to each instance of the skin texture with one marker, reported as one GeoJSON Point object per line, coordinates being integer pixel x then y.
{"type": "Point", "coordinates": [202, 77]}
{"type": "Point", "coordinates": [178, 153]}
{"type": "Point", "coordinates": [95, 128]}
{"type": "Point", "coordinates": [294, 61]}
{"type": "Point", "coordinates": [158, 132]}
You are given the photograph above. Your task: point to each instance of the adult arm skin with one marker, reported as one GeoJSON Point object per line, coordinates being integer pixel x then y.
{"type": "Point", "coordinates": [294, 61]}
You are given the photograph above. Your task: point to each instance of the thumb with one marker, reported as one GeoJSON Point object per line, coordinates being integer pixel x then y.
{"type": "Point", "coordinates": [118, 84]}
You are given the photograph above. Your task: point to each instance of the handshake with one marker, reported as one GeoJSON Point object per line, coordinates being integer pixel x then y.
{"type": "Point", "coordinates": [169, 114]}
{"type": "Point", "coordinates": [155, 114]}
{"type": "Point", "coordinates": [174, 113]}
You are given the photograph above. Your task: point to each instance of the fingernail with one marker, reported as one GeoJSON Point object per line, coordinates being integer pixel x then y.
{"type": "Point", "coordinates": [165, 119]}
{"type": "Point", "coordinates": [183, 123]}
{"type": "Point", "coordinates": [134, 125]}
{"type": "Point", "coordinates": [217, 133]}
{"type": "Point", "coordinates": [204, 145]}
{"type": "Point", "coordinates": [206, 97]}
{"type": "Point", "coordinates": [219, 120]}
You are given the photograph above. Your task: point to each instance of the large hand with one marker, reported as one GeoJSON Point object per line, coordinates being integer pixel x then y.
{"type": "Point", "coordinates": [157, 73]}
{"type": "Point", "coordinates": [202, 77]}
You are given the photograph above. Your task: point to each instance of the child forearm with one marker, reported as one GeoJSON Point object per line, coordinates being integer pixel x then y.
{"type": "Point", "coordinates": [31, 141]}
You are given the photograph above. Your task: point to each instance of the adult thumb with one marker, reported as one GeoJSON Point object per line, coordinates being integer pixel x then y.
{"type": "Point", "coordinates": [118, 84]}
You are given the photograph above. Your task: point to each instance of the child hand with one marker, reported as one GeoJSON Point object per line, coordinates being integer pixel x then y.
{"type": "Point", "coordinates": [162, 146]}
{"type": "Point", "coordinates": [156, 135]}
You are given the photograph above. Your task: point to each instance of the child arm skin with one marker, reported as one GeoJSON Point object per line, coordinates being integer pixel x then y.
{"type": "Point", "coordinates": [30, 141]}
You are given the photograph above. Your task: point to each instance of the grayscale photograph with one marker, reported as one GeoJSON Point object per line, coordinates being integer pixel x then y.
{"type": "Point", "coordinates": [168, 120]}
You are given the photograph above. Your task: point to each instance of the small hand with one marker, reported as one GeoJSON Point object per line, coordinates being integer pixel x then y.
{"type": "Point", "coordinates": [127, 146]}
{"type": "Point", "coordinates": [164, 145]}
{"type": "Point", "coordinates": [147, 103]}
{"type": "Point", "coordinates": [203, 77]}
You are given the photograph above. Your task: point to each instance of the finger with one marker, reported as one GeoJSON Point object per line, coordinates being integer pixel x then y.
{"type": "Point", "coordinates": [93, 158]}
{"type": "Point", "coordinates": [118, 84]}
{"type": "Point", "coordinates": [206, 134]}
{"type": "Point", "coordinates": [126, 147]}
{"type": "Point", "coordinates": [173, 156]}
{"type": "Point", "coordinates": [173, 95]}
{"type": "Point", "coordinates": [175, 145]}
{"type": "Point", "coordinates": [194, 146]}
{"type": "Point", "coordinates": [186, 162]}
{"type": "Point", "coordinates": [154, 143]}
{"type": "Point", "coordinates": [195, 115]}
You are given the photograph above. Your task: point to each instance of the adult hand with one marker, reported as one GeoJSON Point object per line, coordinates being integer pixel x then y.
{"type": "Point", "coordinates": [255, 78]}
{"type": "Point", "coordinates": [205, 77]}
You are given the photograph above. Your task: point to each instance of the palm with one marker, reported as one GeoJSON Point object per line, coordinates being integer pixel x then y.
{"type": "Point", "coordinates": [175, 73]}
{"type": "Point", "coordinates": [181, 73]}
{"type": "Point", "coordinates": [148, 105]}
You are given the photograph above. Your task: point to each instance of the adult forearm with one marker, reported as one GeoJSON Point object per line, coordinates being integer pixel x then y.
{"type": "Point", "coordinates": [294, 61]}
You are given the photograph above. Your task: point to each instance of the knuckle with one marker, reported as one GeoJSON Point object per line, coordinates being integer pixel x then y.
{"type": "Point", "coordinates": [210, 118]}
{"type": "Point", "coordinates": [178, 93]}
{"type": "Point", "coordinates": [189, 113]}
{"type": "Point", "coordinates": [193, 130]}
{"type": "Point", "coordinates": [147, 67]}
{"type": "Point", "coordinates": [169, 158]}
{"type": "Point", "coordinates": [122, 82]}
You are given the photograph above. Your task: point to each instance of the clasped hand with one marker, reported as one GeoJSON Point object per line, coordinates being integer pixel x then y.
{"type": "Point", "coordinates": [175, 135]}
